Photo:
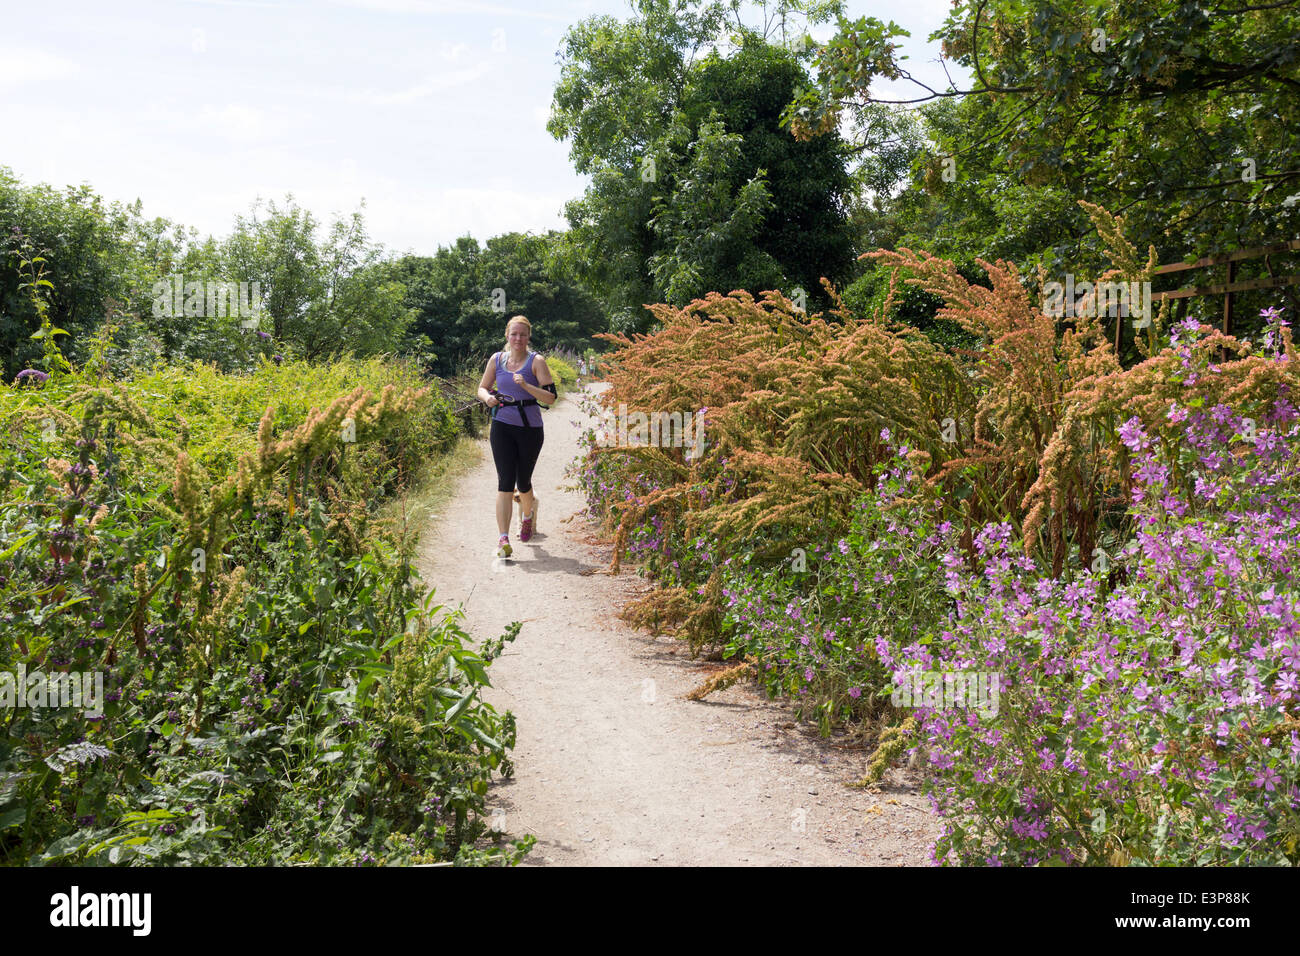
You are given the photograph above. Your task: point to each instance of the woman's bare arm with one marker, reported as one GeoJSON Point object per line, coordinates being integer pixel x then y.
{"type": "Point", "coordinates": [488, 379]}
{"type": "Point", "coordinates": [543, 373]}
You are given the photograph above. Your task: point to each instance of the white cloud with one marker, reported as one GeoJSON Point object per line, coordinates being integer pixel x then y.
{"type": "Point", "coordinates": [452, 53]}
{"type": "Point", "coordinates": [448, 7]}
{"type": "Point", "coordinates": [429, 86]}
{"type": "Point", "coordinates": [32, 66]}
{"type": "Point", "coordinates": [234, 123]}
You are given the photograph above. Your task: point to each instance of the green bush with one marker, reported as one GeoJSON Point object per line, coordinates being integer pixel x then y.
{"type": "Point", "coordinates": [912, 306]}
{"type": "Point", "coordinates": [566, 376]}
{"type": "Point", "coordinates": [218, 414]}
{"type": "Point", "coordinates": [278, 688]}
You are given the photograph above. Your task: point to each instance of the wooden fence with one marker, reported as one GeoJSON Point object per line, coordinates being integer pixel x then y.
{"type": "Point", "coordinates": [1226, 289]}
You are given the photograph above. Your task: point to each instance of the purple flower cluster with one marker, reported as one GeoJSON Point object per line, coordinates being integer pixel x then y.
{"type": "Point", "coordinates": [1147, 716]}
{"type": "Point", "coordinates": [1161, 708]}
{"type": "Point", "coordinates": [33, 375]}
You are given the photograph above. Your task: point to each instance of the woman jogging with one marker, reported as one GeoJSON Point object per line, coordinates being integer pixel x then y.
{"type": "Point", "coordinates": [513, 384]}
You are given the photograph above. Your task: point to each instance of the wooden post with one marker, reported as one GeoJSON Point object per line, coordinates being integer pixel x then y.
{"type": "Point", "coordinates": [1227, 308]}
{"type": "Point", "coordinates": [1227, 299]}
{"type": "Point", "coordinates": [1119, 324]}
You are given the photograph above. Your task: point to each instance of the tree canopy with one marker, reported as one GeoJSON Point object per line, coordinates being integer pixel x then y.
{"type": "Point", "coordinates": [1180, 115]}
{"type": "Point", "coordinates": [695, 185]}
{"type": "Point", "coordinates": [463, 295]}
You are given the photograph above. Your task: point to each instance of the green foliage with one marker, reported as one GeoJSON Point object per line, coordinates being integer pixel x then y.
{"type": "Point", "coordinates": [869, 295]}
{"type": "Point", "coordinates": [452, 297]}
{"type": "Point", "coordinates": [87, 259]}
{"type": "Point", "coordinates": [323, 298]}
{"type": "Point", "coordinates": [278, 687]}
{"type": "Point", "coordinates": [565, 375]}
{"type": "Point", "coordinates": [1180, 116]}
{"type": "Point", "coordinates": [708, 234]}
{"type": "Point", "coordinates": [111, 274]}
{"type": "Point", "coordinates": [217, 415]}
{"type": "Point", "coordinates": [804, 233]}
{"type": "Point", "coordinates": [695, 187]}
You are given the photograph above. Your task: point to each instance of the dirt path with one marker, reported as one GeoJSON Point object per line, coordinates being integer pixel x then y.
{"type": "Point", "coordinates": [613, 766]}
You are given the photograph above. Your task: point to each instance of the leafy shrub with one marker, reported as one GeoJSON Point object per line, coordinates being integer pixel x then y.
{"type": "Point", "coordinates": [279, 689]}
{"type": "Point", "coordinates": [875, 293]}
{"type": "Point", "coordinates": [564, 373]}
{"type": "Point", "coordinates": [812, 623]}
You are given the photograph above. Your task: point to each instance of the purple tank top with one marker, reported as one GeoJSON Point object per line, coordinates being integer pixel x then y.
{"type": "Point", "coordinates": [506, 386]}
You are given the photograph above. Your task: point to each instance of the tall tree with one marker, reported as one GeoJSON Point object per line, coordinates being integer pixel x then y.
{"type": "Point", "coordinates": [1182, 115]}
{"type": "Point", "coordinates": [321, 297]}
{"type": "Point", "coordinates": [88, 254]}
{"type": "Point", "coordinates": [695, 187]}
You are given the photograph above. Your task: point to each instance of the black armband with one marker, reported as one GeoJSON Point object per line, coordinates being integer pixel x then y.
{"type": "Point", "coordinates": [551, 388]}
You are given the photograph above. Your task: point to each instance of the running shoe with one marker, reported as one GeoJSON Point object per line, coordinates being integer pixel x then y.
{"type": "Point", "coordinates": [529, 523]}
{"type": "Point", "coordinates": [503, 546]}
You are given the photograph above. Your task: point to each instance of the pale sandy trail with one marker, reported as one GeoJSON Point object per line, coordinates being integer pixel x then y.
{"type": "Point", "coordinates": [613, 767]}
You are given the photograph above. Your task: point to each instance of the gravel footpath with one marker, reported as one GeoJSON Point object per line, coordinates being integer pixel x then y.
{"type": "Point", "coordinates": [613, 766]}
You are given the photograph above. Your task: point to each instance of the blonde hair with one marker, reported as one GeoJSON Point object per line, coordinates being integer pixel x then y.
{"type": "Point", "coordinates": [519, 318]}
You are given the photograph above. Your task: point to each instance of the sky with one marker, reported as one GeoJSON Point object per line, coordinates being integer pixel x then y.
{"type": "Point", "coordinates": [432, 112]}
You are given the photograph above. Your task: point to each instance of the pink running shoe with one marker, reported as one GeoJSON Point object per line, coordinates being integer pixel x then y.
{"type": "Point", "coordinates": [529, 523]}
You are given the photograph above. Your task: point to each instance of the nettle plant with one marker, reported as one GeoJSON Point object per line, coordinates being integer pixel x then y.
{"type": "Point", "coordinates": [1156, 723]}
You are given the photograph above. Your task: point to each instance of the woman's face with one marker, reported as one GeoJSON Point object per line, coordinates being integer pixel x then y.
{"type": "Point", "coordinates": [518, 337]}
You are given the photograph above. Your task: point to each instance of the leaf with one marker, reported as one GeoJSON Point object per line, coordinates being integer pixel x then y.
{"type": "Point", "coordinates": [460, 705]}
{"type": "Point", "coordinates": [208, 777]}
{"type": "Point", "coordinates": [473, 668]}
{"type": "Point", "coordinates": [9, 552]}
{"type": "Point", "coordinates": [50, 612]}
{"type": "Point", "coordinates": [11, 818]}
{"type": "Point", "coordinates": [61, 847]}
{"type": "Point", "coordinates": [78, 753]}
{"type": "Point", "coordinates": [364, 685]}
{"type": "Point", "coordinates": [478, 735]}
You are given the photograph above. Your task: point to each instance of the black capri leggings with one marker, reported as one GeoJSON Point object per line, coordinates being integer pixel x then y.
{"type": "Point", "coordinates": [515, 450]}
